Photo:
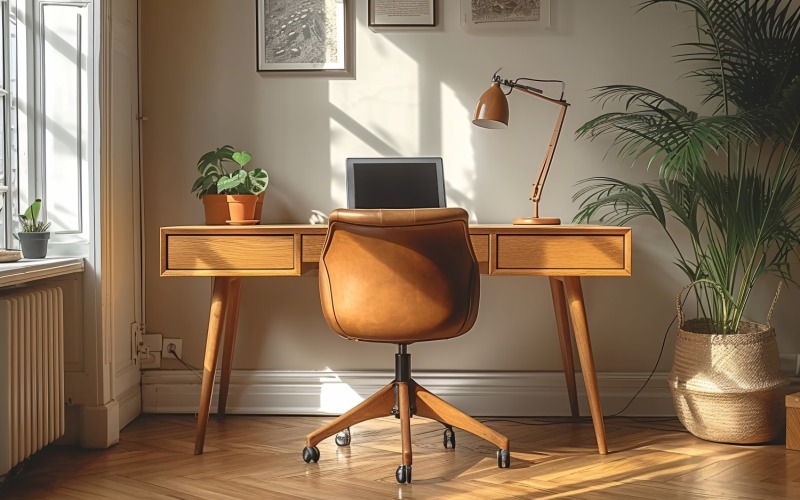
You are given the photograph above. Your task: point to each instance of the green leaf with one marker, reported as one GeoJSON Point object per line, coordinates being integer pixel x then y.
{"type": "Point", "coordinates": [32, 213]}
{"type": "Point", "coordinates": [242, 158]}
{"type": "Point", "coordinates": [258, 181]}
{"type": "Point", "coordinates": [230, 184]}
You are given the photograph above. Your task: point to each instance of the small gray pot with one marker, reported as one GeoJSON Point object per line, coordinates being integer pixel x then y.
{"type": "Point", "coordinates": [33, 245]}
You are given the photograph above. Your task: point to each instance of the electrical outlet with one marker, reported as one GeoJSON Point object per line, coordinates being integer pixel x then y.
{"type": "Point", "coordinates": [178, 348]}
{"type": "Point", "coordinates": [151, 362]}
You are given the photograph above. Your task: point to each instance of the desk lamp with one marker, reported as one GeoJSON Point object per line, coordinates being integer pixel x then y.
{"type": "Point", "coordinates": [492, 112]}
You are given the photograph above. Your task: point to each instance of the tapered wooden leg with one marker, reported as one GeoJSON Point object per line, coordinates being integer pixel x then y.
{"type": "Point", "coordinates": [379, 404]}
{"type": "Point", "coordinates": [405, 421]}
{"type": "Point", "coordinates": [431, 406]}
{"type": "Point", "coordinates": [564, 338]}
{"type": "Point", "coordinates": [580, 326]}
{"type": "Point", "coordinates": [231, 324]}
{"type": "Point", "coordinates": [216, 319]}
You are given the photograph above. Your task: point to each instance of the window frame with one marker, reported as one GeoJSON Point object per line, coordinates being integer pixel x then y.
{"type": "Point", "coordinates": [6, 179]}
{"type": "Point", "coordinates": [26, 124]}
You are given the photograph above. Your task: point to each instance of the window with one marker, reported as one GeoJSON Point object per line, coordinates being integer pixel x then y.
{"type": "Point", "coordinates": [5, 174]}
{"type": "Point", "coordinates": [48, 118]}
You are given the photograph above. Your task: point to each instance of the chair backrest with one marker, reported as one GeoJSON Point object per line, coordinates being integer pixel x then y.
{"type": "Point", "coordinates": [399, 276]}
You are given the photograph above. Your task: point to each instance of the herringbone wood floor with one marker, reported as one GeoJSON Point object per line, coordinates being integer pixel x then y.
{"type": "Point", "coordinates": [260, 457]}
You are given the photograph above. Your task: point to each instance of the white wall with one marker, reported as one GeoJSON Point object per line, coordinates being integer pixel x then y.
{"type": "Point", "coordinates": [413, 94]}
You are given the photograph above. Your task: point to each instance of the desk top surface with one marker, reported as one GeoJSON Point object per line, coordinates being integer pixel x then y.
{"type": "Point", "coordinates": [322, 228]}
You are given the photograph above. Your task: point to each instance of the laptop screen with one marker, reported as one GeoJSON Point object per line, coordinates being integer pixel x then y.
{"type": "Point", "coordinates": [395, 183]}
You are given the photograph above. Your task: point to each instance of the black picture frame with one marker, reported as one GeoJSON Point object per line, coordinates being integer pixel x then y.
{"type": "Point", "coordinates": [401, 13]}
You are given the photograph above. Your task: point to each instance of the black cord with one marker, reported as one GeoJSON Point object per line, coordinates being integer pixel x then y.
{"type": "Point", "coordinates": [539, 91]}
{"type": "Point", "coordinates": [617, 414]}
{"type": "Point", "coordinates": [187, 365]}
{"type": "Point", "coordinates": [655, 367]}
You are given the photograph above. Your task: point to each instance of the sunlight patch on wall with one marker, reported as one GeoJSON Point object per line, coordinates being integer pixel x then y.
{"type": "Point", "coordinates": [378, 117]}
{"type": "Point", "coordinates": [457, 151]}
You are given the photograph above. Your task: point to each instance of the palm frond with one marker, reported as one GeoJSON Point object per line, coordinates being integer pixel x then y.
{"type": "Point", "coordinates": [740, 216]}
{"type": "Point", "coordinates": [654, 127]}
{"type": "Point", "coordinates": [748, 49]}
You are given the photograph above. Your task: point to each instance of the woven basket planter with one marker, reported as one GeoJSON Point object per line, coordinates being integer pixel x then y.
{"type": "Point", "coordinates": [727, 387]}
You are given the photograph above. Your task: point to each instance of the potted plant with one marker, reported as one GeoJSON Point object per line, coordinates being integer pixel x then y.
{"type": "Point", "coordinates": [33, 234]}
{"type": "Point", "coordinates": [230, 195]}
{"type": "Point", "coordinates": [728, 198]}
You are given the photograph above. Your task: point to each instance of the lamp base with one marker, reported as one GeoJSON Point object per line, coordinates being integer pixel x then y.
{"type": "Point", "coordinates": [537, 221]}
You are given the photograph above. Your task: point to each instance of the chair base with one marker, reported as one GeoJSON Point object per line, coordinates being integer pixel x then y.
{"type": "Point", "coordinates": [399, 398]}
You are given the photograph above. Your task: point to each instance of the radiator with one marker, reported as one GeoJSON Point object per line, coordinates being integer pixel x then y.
{"type": "Point", "coordinates": [31, 373]}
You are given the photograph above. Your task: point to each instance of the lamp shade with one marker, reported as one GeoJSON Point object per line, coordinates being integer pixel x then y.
{"type": "Point", "coordinates": [492, 108]}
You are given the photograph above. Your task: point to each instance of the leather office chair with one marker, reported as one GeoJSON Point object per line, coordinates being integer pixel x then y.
{"type": "Point", "coordinates": [401, 276]}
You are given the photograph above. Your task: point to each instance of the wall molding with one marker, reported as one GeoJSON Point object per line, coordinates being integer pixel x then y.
{"type": "Point", "coordinates": [509, 394]}
{"type": "Point", "coordinates": [99, 425]}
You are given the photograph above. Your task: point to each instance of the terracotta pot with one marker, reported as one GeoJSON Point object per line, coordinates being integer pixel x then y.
{"type": "Point", "coordinates": [216, 208]}
{"type": "Point", "coordinates": [242, 207]}
{"type": "Point", "coordinates": [259, 206]}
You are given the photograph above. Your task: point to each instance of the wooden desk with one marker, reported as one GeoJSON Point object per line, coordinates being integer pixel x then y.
{"type": "Point", "coordinates": [563, 253]}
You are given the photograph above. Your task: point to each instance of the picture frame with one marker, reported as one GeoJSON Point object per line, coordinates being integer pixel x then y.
{"type": "Point", "coordinates": [523, 13]}
{"type": "Point", "coordinates": [314, 39]}
{"type": "Point", "coordinates": [401, 13]}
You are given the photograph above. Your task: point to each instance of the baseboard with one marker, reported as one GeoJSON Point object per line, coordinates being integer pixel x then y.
{"type": "Point", "coordinates": [130, 405]}
{"type": "Point", "coordinates": [484, 394]}
{"type": "Point", "coordinates": [99, 425]}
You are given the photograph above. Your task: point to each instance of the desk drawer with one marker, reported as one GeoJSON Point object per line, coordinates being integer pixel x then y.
{"type": "Point", "coordinates": [586, 252]}
{"type": "Point", "coordinates": [312, 247]}
{"type": "Point", "coordinates": [256, 252]}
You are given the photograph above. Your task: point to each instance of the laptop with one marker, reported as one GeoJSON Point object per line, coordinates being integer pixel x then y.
{"type": "Point", "coordinates": [405, 182]}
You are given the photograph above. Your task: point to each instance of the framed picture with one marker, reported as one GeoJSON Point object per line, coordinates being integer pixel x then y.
{"type": "Point", "coordinates": [312, 37]}
{"type": "Point", "coordinates": [388, 13]}
{"type": "Point", "coordinates": [486, 13]}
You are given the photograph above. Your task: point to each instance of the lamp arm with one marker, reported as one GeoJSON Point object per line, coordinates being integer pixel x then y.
{"type": "Point", "coordinates": [532, 92]}
{"type": "Point", "coordinates": [538, 185]}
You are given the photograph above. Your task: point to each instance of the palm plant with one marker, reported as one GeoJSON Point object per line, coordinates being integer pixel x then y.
{"type": "Point", "coordinates": [729, 178]}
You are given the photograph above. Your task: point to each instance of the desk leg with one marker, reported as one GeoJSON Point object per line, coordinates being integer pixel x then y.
{"type": "Point", "coordinates": [562, 322]}
{"type": "Point", "coordinates": [231, 324]}
{"type": "Point", "coordinates": [216, 319]}
{"type": "Point", "coordinates": [581, 328]}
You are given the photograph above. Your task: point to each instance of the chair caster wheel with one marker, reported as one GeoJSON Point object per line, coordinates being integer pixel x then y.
{"type": "Point", "coordinates": [403, 474]}
{"type": "Point", "coordinates": [449, 438]}
{"type": "Point", "coordinates": [343, 437]}
{"type": "Point", "coordinates": [310, 454]}
{"type": "Point", "coordinates": [503, 459]}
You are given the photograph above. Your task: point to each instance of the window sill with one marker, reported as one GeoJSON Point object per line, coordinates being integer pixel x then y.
{"type": "Point", "coordinates": [24, 271]}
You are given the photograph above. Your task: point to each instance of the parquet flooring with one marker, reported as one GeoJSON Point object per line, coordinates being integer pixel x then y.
{"type": "Point", "coordinates": [259, 457]}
